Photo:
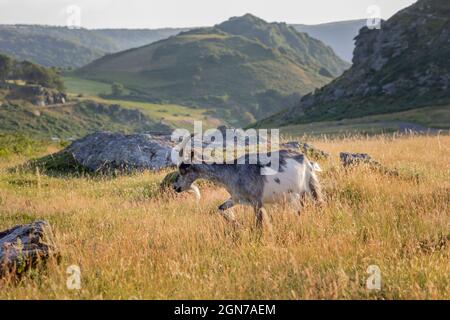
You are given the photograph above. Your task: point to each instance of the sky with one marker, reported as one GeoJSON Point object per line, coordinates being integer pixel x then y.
{"type": "Point", "coordinates": [188, 13]}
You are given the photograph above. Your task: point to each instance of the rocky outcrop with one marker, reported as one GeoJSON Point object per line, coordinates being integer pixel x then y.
{"type": "Point", "coordinates": [349, 160]}
{"type": "Point", "coordinates": [37, 95]}
{"type": "Point", "coordinates": [25, 246]}
{"type": "Point", "coordinates": [401, 66]}
{"type": "Point", "coordinates": [48, 97]}
{"type": "Point", "coordinates": [307, 149]}
{"type": "Point", "coordinates": [119, 113]}
{"type": "Point", "coordinates": [106, 152]}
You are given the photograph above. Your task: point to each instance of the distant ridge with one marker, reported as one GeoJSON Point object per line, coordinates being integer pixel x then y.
{"type": "Point", "coordinates": [402, 66]}
{"type": "Point", "coordinates": [53, 46]}
{"type": "Point", "coordinates": [58, 46]}
{"type": "Point", "coordinates": [243, 68]}
{"type": "Point", "coordinates": [338, 35]}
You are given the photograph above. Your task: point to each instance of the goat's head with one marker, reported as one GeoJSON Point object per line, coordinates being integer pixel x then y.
{"type": "Point", "coordinates": [188, 174]}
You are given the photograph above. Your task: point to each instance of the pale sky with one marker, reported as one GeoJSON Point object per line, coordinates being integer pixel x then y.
{"type": "Point", "coordinates": [188, 13]}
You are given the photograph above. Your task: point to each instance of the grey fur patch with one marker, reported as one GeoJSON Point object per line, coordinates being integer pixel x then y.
{"type": "Point", "coordinates": [244, 182]}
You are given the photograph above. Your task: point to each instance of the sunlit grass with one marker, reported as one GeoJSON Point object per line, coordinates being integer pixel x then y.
{"type": "Point", "coordinates": [131, 241]}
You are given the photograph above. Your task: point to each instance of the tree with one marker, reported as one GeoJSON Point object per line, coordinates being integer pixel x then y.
{"type": "Point", "coordinates": [5, 67]}
{"type": "Point", "coordinates": [33, 73]}
{"type": "Point", "coordinates": [117, 89]}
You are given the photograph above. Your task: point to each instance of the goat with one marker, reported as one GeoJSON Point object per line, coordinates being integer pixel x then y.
{"type": "Point", "coordinates": [246, 185]}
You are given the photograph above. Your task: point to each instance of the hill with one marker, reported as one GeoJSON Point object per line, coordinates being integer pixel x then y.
{"type": "Point", "coordinates": [55, 46]}
{"type": "Point", "coordinates": [73, 120]}
{"type": "Point", "coordinates": [63, 47]}
{"type": "Point", "coordinates": [402, 66]}
{"type": "Point", "coordinates": [338, 35]}
{"type": "Point", "coordinates": [244, 67]}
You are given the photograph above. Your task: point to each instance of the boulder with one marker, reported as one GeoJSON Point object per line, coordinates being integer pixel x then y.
{"type": "Point", "coordinates": [38, 95]}
{"type": "Point", "coordinates": [25, 246]}
{"type": "Point", "coordinates": [349, 159]}
{"type": "Point", "coordinates": [307, 149]}
{"type": "Point", "coordinates": [106, 151]}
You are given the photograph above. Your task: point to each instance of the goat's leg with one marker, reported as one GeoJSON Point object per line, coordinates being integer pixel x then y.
{"type": "Point", "coordinates": [296, 201]}
{"type": "Point", "coordinates": [229, 216]}
{"type": "Point", "coordinates": [262, 218]}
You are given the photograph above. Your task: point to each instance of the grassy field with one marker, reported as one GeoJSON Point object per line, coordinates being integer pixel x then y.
{"type": "Point", "coordinates": [172, 114]}
{"type": "Point", "coordinates": [86, 87]}
{"type": "Point", "coordinates": [132, 242]}
{"type": "Point", "coordinates": [436, 117]}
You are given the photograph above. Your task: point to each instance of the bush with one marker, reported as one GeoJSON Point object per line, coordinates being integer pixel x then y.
{"type": "Point", "coordinates": [11, 145]}
{"type": "Point", "coordinates": [36, 74]}
{"type": "Point", "coordinates": [58, 163]}
{"type": "Point", "coordinates": [117, 89]}
{"type": "Point", "coordinates": [5, 67]}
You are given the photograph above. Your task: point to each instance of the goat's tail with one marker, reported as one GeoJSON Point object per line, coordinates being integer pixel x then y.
{"type": "Point", "coordinates": [314, 184]}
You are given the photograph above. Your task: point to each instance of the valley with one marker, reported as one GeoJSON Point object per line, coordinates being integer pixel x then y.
{"type": "Point", "coordinates": [98, 201]}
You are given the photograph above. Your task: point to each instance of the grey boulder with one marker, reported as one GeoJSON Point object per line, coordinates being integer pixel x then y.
{"type": "Point", "coordinates": [106, 151]}
{"type": "Point", "coordinates": [25, 246]}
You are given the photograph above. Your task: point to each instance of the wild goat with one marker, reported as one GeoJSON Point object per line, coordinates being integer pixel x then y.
{"type": "Point", "coordinates": [246, 185]}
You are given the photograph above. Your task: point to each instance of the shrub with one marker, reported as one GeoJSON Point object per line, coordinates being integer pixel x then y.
{"type": "Point", "coordinates": [19, 145]}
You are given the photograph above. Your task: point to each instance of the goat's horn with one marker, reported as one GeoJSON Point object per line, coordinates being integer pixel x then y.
{"type": "Point", "coordinates": [196, 191]}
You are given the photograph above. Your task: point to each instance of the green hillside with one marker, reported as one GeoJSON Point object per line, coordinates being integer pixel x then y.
{"type": "Point", "coordinates": [299, 47]}
{"type": "Point", "coordinates": [55, 46]}
{"type": "Point", "coordinates": [63, 47]}
{"type": "Point", "coordinates": [74, 120]}
{"type": "Point", "coordinates": [402, 66]}
{"type": "Point", "coordinates": [428, 119]}
{"type": "Point", "coordinates": [170, 114]}
{"type": "Point", "coordinates": [244, 76]}
{"type": "Point", "coordinates": [338, 35]}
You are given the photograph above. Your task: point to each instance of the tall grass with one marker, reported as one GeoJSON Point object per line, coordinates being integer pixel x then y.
{"type": "Point", "coordinates": [132, 242]}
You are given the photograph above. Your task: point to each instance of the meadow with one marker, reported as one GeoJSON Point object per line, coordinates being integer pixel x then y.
{"type": "Point", "coordinates": [431, 118]}
{"type": "Point", "coordinates": [133, 242]}
{"type": "Point", "coordinates": [172, 114]}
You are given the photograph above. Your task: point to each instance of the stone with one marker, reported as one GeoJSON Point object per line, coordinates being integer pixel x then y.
{"type": "Point", "coordinates": [307, 149]}
{"type": "Point", "coordinates": [349, 159]}
{"type": "Point", "coordinates": [107, 151]}
{"type": "Point", "coordinates": [25, 246]}
{"type": "Point", "coordinates": [354, 159]}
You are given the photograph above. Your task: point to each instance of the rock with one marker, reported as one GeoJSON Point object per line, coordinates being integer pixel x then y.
{"type": "Point", "coordinates": [338, 93]}
{"type": "Point", "coordinates": [401, 66]}
{"type": "Point", "coordinates": [353, 159]}
{"type": "Point", "coordinates": [349, 159]}
{"type": "Point", "coordinates": [307, 149]}
{"type": "Point", "coordinates": [38, 95]}
{"type": "Point", "coordinates": [25, 246]}
{"type": "Point", "coordinates": [237, 136]}
{"type": "Point", "coordinates": [106, 151]}
{"type": "Point", "coordinates": [390, 88]}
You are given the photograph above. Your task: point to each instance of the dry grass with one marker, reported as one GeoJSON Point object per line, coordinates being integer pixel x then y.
{"type": "Point", "coordinates": [132, 243]}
